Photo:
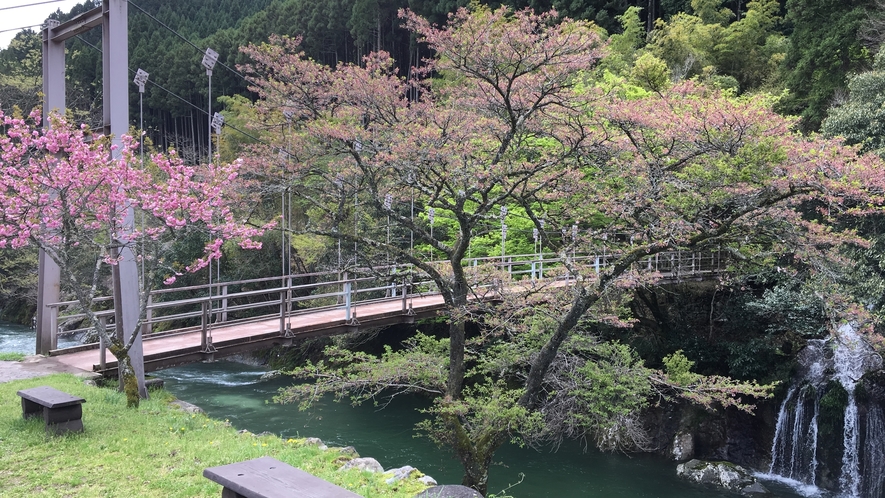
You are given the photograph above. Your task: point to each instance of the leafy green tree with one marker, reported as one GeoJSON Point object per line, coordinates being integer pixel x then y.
{"type": "Point", "coordinates": [686, 43]}
{"type": "Point", "coordinates": [711, 11]}
{"type": "Point", "coordinates": [861, 119]}
{"type": "Point", "coordinates": [21, 72]}
{"type": "Point", "coordinates": [651, 73]}
{"type": "Point", "coordinates": [18, 284]}
{"type": "Point", "coordinates": [511, 121]}
{"type": "Point", "coordinates": [748, 50]}
{"type": "Point", "coordinates": [824, 49]}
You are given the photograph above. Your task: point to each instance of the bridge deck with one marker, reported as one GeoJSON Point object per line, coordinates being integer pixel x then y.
{"type": "Point", "coordinates": [232, 338]}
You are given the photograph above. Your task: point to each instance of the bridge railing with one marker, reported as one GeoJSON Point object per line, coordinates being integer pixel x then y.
{"type": "Point", "coordinates": [204, 306]}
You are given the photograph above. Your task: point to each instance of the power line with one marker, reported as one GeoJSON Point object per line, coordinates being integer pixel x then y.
{"type": "Point", "coordinates": [19, 29]}
{"type": "Point", "coordinates": [200, 109]}
{"type": "Point", "coordinates": [176, 33]}
{"type": "Point", "coordinates": [31, 4]}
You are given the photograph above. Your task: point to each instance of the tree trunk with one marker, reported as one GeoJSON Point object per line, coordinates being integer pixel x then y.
{"type": "Point", "coordinates": [474, 451]}
{"type": "Point", "coordinates": [456, 358]}
{"type": "Point", "coordinates": [476, 473]}
{"type": "Point", "coordinates": [126, 373]}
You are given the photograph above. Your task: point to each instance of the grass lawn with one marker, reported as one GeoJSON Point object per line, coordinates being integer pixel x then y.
{"type": "Point", "coordinates": [156, 450]}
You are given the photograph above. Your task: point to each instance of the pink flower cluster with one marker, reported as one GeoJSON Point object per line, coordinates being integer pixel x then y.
{"type": "Point", "coordinates": [61, 187]}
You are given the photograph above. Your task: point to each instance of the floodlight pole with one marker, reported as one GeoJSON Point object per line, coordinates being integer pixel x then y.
{"type": "Point", "coordinates": [141, 77]}
{"type": "Point", "coordinates": [210, 57]}
{"type": "Point", "coordinates": [503, 235]}
{"type": "Point", "coordinates": [431, 214]}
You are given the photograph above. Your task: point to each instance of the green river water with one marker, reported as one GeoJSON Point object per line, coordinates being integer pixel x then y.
{"type": "Point", "coordinates": [234, 391]}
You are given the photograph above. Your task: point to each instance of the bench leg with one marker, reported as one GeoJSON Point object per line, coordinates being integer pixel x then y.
{"type": "Point", "coordinates": [31, 409]}
{"type": "Point", "coordinates": [229, 493]}
{"type": "Point", "coordinates": [65, 419]}
{"type": "Point", "coordinates": [65, 427]}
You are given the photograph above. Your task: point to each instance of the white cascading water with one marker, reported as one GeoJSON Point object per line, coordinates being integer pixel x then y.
{"type": "Point", "coordinates": [849, 364]}
{"type": "Point", "coordinates": [794, 449]}
{"type": "Point", "coordinates": [874, 453]}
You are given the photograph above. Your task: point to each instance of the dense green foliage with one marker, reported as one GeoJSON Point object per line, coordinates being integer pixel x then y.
{"type": "Point", "coordinates": [861, 118]}
{"type": "Point", "coordinates": [824, 49]}
{"type": "Point", "coordinates": [18, 284]}
{"type": "Point", "coordinates": [668, 144]}
{"type": "Point", "coordinates": [806, 49]}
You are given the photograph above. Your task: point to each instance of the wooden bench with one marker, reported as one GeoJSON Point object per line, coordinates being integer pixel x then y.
{"type": "Point", "coordinates": [61, 412]}
{"type": "Point", "coordinates": [268, 477]}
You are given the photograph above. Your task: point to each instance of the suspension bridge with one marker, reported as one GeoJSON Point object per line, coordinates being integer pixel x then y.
{"type": "Point", "coordinates": [228, 318]}
{"type": "Point", "coordinates": [202, 323]}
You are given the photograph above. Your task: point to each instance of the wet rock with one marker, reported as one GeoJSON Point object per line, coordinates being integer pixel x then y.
{"type": "Point", "coordinates": [367, 464]}
{"type": "Point", "coordinates": [427, 480]}
{"type": "Point", "coordinates": [755, 489]}
{"type": "Point", "coordinates": [187, 407]}
{"type": "Point", "coordinates": [449, 491]}
{"type": "Point", "coordinates": [154, 383]}
{"type": "Point", "coordinates": [722, 474]}
{"type": "Point", "coordinates": [399, 474]}
{"type": "Point", "coordinates": [273, 374]}
{"type": "Point", "coordinates": [349, 451]}
{"type": "Point", "coordinates": [315, 441]}
{"type": "Point", "coordinates": [683, 446]}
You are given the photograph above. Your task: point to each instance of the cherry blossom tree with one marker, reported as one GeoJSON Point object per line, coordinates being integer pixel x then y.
{"type": "Point", "coordinates": [61, 192]}
{"type": "Point", "coordinates": [506, 115]}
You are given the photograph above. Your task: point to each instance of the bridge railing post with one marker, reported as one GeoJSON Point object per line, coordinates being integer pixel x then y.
{"type": "Point", "coordinates": [204, 325]}
{"type": "Point", "coordinates": [405, 296]}
{"type": "Point", "coordinates": [102, 345]}
{"type": "Point", "coordinates": [348, 287]}
{"type": "Point", "coordinates": [224, 303]}
{"type": "Point", "coordinates": [53, 327]}
{"type": "Point", "coordinates": [148, 316]}
{"type": "Point", "coordinates": [283, 311]}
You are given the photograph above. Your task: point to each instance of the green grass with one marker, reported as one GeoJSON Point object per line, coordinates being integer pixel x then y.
{"type": "Point", "coordinates": [11, 357]}
{"type": "Point", "coordinates": [156, 450]}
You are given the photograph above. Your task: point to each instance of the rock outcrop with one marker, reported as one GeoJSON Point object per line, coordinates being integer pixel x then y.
{"type": "Point", "coordinates": [722, 474]}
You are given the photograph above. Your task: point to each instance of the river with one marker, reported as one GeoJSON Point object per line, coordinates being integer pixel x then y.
{"type": "Point", "coordinates": [15, 338]}
{"type": "Point", "coordinates": [233, 391]}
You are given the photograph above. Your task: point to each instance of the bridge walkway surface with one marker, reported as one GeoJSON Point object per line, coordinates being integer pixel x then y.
{"type": "Point", "coordinates": [360, 304]}
{"type": "Point", "coordinates": [237, 337]}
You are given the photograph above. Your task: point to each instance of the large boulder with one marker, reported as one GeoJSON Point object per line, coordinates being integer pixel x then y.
{"type": "Point", "coordinates": [722, 474]}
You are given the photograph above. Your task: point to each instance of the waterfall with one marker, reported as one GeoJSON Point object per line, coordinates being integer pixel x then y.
{"type": "Point", "coordinates": [874, 453]}
{"type": "Point", "coordinates": [794, 451]}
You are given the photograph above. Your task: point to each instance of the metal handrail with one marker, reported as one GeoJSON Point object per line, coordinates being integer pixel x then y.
{"type": "Point", "coordinates": [399, 283]}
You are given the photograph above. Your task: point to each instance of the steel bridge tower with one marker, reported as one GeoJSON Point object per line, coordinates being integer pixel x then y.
{"type": "Point", "coordinates": [112, 16]}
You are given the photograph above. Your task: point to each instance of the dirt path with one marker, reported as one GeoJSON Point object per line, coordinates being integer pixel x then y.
{"type": "Point", "coordinates": [36, 366]}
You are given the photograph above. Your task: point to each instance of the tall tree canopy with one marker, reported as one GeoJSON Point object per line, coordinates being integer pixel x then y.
{"type": "Point", "coordinates": [824, 49]}
{"type": "Point", "coordinates": [512, 127]}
